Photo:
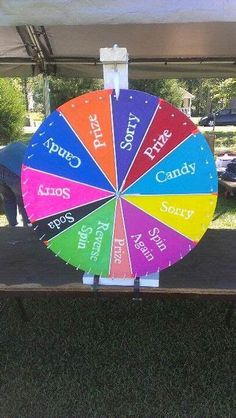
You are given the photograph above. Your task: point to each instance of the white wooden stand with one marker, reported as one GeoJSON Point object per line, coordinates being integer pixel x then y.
{"type": "Point", "coordinates": [115, 75]}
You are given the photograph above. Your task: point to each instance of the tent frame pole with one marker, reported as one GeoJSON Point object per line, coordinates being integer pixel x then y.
{"type": "Point", "coordinates": [46, 95]}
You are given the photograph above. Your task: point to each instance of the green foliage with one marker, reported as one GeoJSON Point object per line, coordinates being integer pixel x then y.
{"type": "Point", "coordinates": [64, 89]}
{"type": "Point", "coordinates": [12, 110]}
{"type": "Point", "coordinates": [225, 141]}
{"type": "Point", "coordinates": [225, 91]}
{"type": "Point", "coordinates": [211, 94]}
{"type": "Point", "coordinates": [208, 92]}
{"type": "Point", "coordinates": [167, 89]}
{"type": "Point", "coordinates": [61, 89]}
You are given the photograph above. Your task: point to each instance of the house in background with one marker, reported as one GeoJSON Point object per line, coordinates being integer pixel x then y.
{"type": "Point", "coordinates": [186, 105]}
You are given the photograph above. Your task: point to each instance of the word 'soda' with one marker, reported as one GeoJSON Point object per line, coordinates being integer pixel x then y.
{"type": "Point", "coordinates": [57, 222]}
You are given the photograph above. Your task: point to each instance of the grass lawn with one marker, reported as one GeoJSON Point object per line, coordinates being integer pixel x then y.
{"type": "Point", "coordinates": [117, 358]}
{"type": "Point", "coordinates": [225, 213]}
{"type": "Point", "coordinates": [225, 138]}
{"type": "Point", "coordinates": [225, 141]}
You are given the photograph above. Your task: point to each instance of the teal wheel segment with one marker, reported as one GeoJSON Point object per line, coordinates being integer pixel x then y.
{"type": "Point", "coordinates": [189, 168]}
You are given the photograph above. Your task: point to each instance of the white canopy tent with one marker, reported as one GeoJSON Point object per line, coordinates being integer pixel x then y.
{"type": "Point", "coordinates": [184, 38]}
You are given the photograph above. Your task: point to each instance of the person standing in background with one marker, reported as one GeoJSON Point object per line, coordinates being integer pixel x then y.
{"type": "Point", "coordinates": [11, 159]}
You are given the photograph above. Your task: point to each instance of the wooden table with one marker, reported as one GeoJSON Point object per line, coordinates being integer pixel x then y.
{"type": "Point", "coordinates": [27, 267]}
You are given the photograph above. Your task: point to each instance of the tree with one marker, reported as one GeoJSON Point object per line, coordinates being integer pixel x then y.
{"type": "Point", "coordinates": [12, 110]}
{"type": "Point", "coordinates": [208, 94]}
{"type": "Point", "coordinates": [225, 91]}
{"type": "Point", "coordinates": [166, 89]}
{"type": "Point", "coordinates": [64, 89]}
{"type": "Point", "coordinates": [61, 89]}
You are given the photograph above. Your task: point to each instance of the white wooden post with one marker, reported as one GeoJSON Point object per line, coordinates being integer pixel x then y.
{"type": "Point", "coordinates": [115, 68]}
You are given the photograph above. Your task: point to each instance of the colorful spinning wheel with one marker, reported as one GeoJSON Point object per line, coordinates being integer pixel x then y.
{"type": "Point", "coordinates": [119, 188]}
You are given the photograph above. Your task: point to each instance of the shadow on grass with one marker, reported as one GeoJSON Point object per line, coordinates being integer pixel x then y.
{"type": "Point", "coordinates": [225, 213]}
{"type": "Point", "coordinates": [225, 205]}
{"type": "Point", "coordinates": [116, 358]}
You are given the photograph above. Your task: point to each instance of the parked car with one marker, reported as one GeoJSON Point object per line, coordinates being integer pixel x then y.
{"type": "Point", "coordinates": [221, 118]}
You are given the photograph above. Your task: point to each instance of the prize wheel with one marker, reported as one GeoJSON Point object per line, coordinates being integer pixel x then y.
{"type": "Point", "coordinates": [119, 187]}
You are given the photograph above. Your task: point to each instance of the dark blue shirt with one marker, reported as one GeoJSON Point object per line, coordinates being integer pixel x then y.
{"type": "Point", "coordinates": [12, 156]}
